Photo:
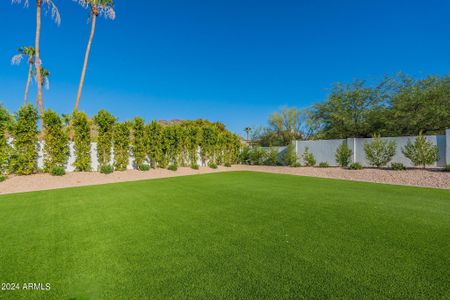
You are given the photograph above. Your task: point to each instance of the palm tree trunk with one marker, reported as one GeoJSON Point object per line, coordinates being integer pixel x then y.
{"type": "Point", "coordinates": [86, 59]}
{"type": "Point", "coordinates": [38, 60]}
{"type": "Point", "coordinates": [30, 72]}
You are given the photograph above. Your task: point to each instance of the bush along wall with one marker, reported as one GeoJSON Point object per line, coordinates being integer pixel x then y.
{"type": "Point", "coordinates": [154, 144]}
{"type": "Point", "coordinates": [25, 141]}
{"type": "Point", "coordinates": [56, 141]}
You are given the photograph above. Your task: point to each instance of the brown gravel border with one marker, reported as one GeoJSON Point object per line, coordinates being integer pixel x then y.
{"type": "Point", "coordinates": [413, 177]}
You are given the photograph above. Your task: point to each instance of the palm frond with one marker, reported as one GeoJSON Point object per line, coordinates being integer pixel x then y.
{"type": "Point", "coordinates": [26, 3]}
{"type": "Point", "coordinates": [54, 11]}
{"type": "Point", "coordinates": [16, 59]}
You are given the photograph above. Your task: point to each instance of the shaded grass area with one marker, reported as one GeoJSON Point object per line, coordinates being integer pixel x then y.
{"type": "Point", "coordinates": [225, 235]}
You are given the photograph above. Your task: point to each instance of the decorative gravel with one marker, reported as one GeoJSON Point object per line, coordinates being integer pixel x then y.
{"type": "Point", "coordinates": [415, 177]}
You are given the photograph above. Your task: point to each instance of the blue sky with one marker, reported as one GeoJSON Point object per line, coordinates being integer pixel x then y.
{"type": "Point", "coordinates": [234, 61]}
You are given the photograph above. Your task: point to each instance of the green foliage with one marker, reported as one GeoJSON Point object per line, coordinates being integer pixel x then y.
{"type": "Point", "coordinates": [56, 141]}
{"type": "Point", "coordinates": [446, 168]}
{"type": "Point", "coordinates": [212, 165]}
{"type": "Point", "coordinates": [154, 144]}
{"type": "Point", "coordinates": [144, 167]}
{"type": "Point", "coordinates": [173, 167]}
{"type": "Point", "coordinates": [25, 134]}
{"type": "Point", "coordinates": [271, 158]}
{"type": "Point", "coordinates": [121, 145]}
{"type": "Point", "coordinates": [308, 158]}
{"type": "Point", "coordinates": [323, 164]}
{"type": "Point", "coordinates": [3, 178]}
{"type": "Point", "coordinates": [5, 148]}
{"type": "Point", "coordinates": [106, 169]}
{"type": "Point", "coordinates": [138, 142]}
{"type": "Point", "coordinates": [257, 156]}
{"type": "Point", "coordinates": [195, 166]}
{"type": "Point", "coordinates": [290, 156]}
{"type": "Point", "coordinates": [105, 128]}
{"type": "Point", "coordinates": [398, 167]}
{"type": "Point", "coordinates": [355, 166]}
{"type": "Point", "coordinates": [244, 156]}
{"type": "Point", "coordinates": [58, 171]}
{"type": "Point", "coordinates": [343, 155]}
{"type": "Point", "coordinates": [82, 141]}
{"type": "Point", "coordinates": [422, 152]}
{"type": "Point", "coordinates": [227, 165]}
{"type": "Point", "coordinates": [380, 151]}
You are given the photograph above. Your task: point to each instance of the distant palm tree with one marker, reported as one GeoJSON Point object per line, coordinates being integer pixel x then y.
{"type": "Point", "coordinates": [57, 18]}
{"type": "Point", "coordinates": [28, 52]}
{"type": "Point", "coordinates": [45, 74]}
{"type": "Point", "coordinates": [96, 7]}
{"type": "Point", "coordinates": [247, 131]}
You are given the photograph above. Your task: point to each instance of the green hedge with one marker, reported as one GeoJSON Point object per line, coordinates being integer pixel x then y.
{"type": "Point", "coordinates": [121, 145]}
{"type": "Point", "coordinates": [5, 149]}
{"type": "Point", "coordinates": [105, 127]}
{"type": "Point", "coordinates": [56, 141]}
{"type": "Point", "coordinates": [82, 141]}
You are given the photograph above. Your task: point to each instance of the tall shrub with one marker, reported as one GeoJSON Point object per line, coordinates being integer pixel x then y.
{"type": "Point", "coordinates": [343, 155]}
{"type": "Point", "coordinates": [105, 127]}
{"type": "Point", "coordinates": [290, 156]}
{"type": "Point", "coordinates": [209, 142]}
{"type": "Point", "coordinates": [308, 158]}
{"type": "Point", "coordinates": [379, 152]}
{"type": "Point", "coordinates": [154, 143]}
{"type": "Point", "coordinates": [422, 152]}
{"type": "Point", "coordinates": [5, 149]}
{"type": "Point", "coordinates": [121, 145]}
{"type": "Point", "coordinates": [138, 142]}
{"type": "Point", "coordinates": [56, 142]}
{"type": "Point", "coordinates": [25, 140]}
{"type": "Point", "coordinates": [82, 141]}
{"type": "Point", "coordinates": [194, 141]}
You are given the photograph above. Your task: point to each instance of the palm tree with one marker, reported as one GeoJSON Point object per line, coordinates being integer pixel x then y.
{"type": "Point", "coordinates": [45, 74]}
{"type": "Point", "coordinates": [96, 7]}
{"type": "Point", "coordinates": [247, 131]}
{"type": "Point", "coordinates": [28, 52]}
{"type": "Point", "coordinates": [57, 18]}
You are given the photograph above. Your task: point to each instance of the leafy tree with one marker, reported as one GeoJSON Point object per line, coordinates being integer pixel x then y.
{"type": "Point", "coordinates": [25, 140]}
{"type": "Point", "coordinates": [290, 156]}
{"type": "Point", "coordinates": [97, 8]}
{"type": "Point", "coordinates": [56, 142]}
{"type": "Point", "coordinates": [82, 141]}
{"type": "Point", "coordinates": [422, 152]}
{"type": "Point", "coordinates": [138, 142]}
{"type": "Point", "coordinates": [343, 155]}
{"type": "Point", "coordinates": [105, 127]}
{"type": "Point", "coordinates": [308, 158]}
{"type": "Point", "coordinates": [5, 149]}
{"type": "Point", "coordinates": [379, 152]}
{"type": "Point", "coordinates": [57, 18]}
{"type": "Point", "coordinates": [29, 52]}
{"type": "Point", "coordinates": [121, 145]}
{"type": "Point", "coordinates": [154, 143]}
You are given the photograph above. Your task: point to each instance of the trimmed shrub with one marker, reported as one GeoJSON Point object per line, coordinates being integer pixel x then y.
{"type": "Point", "coordinates": [25, 135]}
{"type": "Point", "coordinates": [244, 156]}
{"type": "Point", "coordinates": [195, 166]}
{"type": "Point", "coordinates": [228, 165]}
{"type": "Point", "coordinates": [446, 168]}
{"type": "Point", "coordinates": [56, 142]}
{"type": "Point", "coordinates": [3, 178]}
{"type": "Point", "coordinates": [271, 157]}
{"type": "Point", "coordinates": [212, 165]}
{"type": "Point", "coordinates": [58, 171]}
{"type": "Point", "coordinates": [172, 167]}
{"type": "Point", "coordinates": [82, 141]}
{"type": "Point", "coordinates": [105, 130]}
{"type": "Point", "coordinates": [323, 164]}
{"type": "Point", "coordinates": [422, 152]}
{"type": "Point", "coordinates": [138, 142]}
{"type": "Point", "coordinates": [355, 166]}
{"type": "Point", "coordinates": [290, 156]}
{"type": "Point", "coordinates": [5, 149]}
{"type": "Point", "coordinates": [398, 166]}
{"type": "Point", "coordinates": [343, 155]}
{"type": "Point", "coordinates": [121, 145]}
{"type": "Point", "coordinates": [106, 169]}
{"type": "Point", "coordinates": [144, 167]}
{"type": "Point", "coordinates": [257, 156]}
{"type": "Point", "coordinates": [309, 158]}
{"type": "Point", "coordinates": [154, 144]}
{"type": "Point", "coordinates": [379, 152]}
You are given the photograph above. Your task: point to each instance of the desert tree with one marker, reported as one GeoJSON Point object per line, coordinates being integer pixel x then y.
{"type": "Point", "coordinates": [57, 18]}
{"type": "Point", "coordinates": [29, 53]}
{"type": "Point", "coordinates": [97, 8]}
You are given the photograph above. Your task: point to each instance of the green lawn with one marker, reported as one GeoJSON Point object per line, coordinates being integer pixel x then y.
{"type": "Point", "coordinates": [228, 235]}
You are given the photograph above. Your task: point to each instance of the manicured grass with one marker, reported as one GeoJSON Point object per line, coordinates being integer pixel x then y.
{"type": "Point", "coordinates": [228, 235]}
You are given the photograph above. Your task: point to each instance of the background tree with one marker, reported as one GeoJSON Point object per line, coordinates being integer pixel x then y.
{"type": "Point", "coordinates": [57, 18]}
{"type": "Point", "coordinates": [29, 53]}
{"type": "Point", "coordinates": [97, 8]}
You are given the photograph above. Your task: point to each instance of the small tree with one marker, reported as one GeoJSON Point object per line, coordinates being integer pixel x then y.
{"type": "Point", "coordinates": [5, 149]}
{"type": "Point", "coordinates": [379, 152]}
{"type": "Point", "coordinates": [56, 142]}
{"type": "Point", "coordinates": [422, 152]}
{"type": "Point", "coordinates": [25, 140]}
{"type": "Point", "coordinates": [82, 141]}
{"type": "Point", "coordinates": [105, 127]}
{"type": "Point", "coordinates": [121, 145]}
{"type": "Point", "coordinates": [154, 143]}
{"type": "Point", "coordinates": [138, 142]}
{"type": "Point", "coordinates": [343, 155]}
{"type": "Point", "coordinates": [309, 158]}
{"type": "Point", "coordinates": [271, 157]}
{"type": "Point", "coordinates": [290, 156]}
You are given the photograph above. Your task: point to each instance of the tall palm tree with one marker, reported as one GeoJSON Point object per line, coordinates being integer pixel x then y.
{"type": "Point", "coordinates": [29, 52]}
{"type": "Point", "coordinates": [97, 8]}
{"type": "Point", "coordinates": [247, 131]}
{"type": "Point", "coordinates": [45, 74]}
{"type": "Point", "coordinates": [57, 18]}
